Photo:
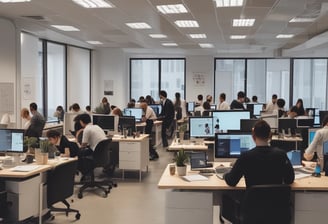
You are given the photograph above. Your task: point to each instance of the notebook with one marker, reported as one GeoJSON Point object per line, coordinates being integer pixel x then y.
{"type": "Point", "coordinates": [295, 158]}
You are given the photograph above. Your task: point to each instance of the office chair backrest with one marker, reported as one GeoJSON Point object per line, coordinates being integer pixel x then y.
{"type": "Point", "coordinates": [101, 155]}
{"type": "Point", "coordinates": [266, 204]}
{"type": "Point", "coordinates": [60, 182]}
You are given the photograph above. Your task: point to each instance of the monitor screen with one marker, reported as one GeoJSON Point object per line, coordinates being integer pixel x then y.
{"type": "Point", "coordinates": [304, 122]}
{"type": "Point", "coordinates": [191, 107]}
{"type": "Point", "coordinates": [295, 157]}
{"type": "Point", "coordinates": [157, 108]}
{"type": "Point", "coordinates": [229, 119]}
{"type": "Point", "coordinates": [311, 134]}
{"type": "Point", "coordinates": [106, 122]}
{"type": "Point", "coordinates": [201, 127]}
{"type": "Point", "coordinates": [232, 145]}
{"type": "Point", "coordinates": [246, 125]}
{"type": "Point", "coordinates": [257, 108]}
{"type": "Point", "coordinates": [287, 124]}
{"type": "Point", "coordinates": [127, 122]}
{"type": "Point", "coordinates": [12, 140]}
{"type": "Point", "coordinates": [136, 112]}
{"type": "Point", "coordinates": [198, 160]}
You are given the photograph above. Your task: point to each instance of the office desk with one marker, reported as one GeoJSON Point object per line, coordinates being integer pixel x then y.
{"type": "Point", "coordinates": [25, 190]}
{"type": "Point", "coordinates": [133, 153]}
{"type": "Point", "coordinates": [310, 198]}
{"type": "Point", "coordinates": [157, 130]}
{"type": "Point", "coordinates": [286, 140]}
{"type": "Point", "coordinates": [190, 146]}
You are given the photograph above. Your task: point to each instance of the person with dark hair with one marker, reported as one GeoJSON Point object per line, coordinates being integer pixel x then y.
{"type": "Point", "coordinates": [167, 116]}
{"type": "Point", "coordinates": [272, 105]}
{"type": "Point", "coordinates": [260, 166]}
{"type": "Point", "coordinates": [59, 113]}
{"type": "Point", "coordinates": [141, 99]}
{"type": "Point", "coordinates": [199, 101]}
{"type": "Point", "coordinates": [281, 111]}
{"type": "Point", "coordinates": [297, 110]}
{"type": "Point", "coordinates": [88, 109]}
{"type": "Point", "coordinates": [150, 100]}
{"type": "Point", "coordinates": [179, 107]}
{"type": "Point", "coordinates": [37, 122]}
{"type": "Point", "coordinates": [64, 146]}
{"type": "Point", "coordinates": [117, 111]}
{"type": "Point", "coordinates": [223, 105]}
{"type": "Point", "coordinates": [316, 145]}
{"type": "Point", "coordinates": [207, 108]}
{"type": "Point", "coordinates": [76, 108]}
{"type": "Point", "coordinates": [254, 99]}
{"type": "Point", "coordinates": [238, 103]}
{"type": "Point", "coordinates": [132, 103]}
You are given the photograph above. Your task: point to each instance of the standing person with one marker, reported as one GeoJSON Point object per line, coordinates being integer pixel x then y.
{"type": "Point", "coordinates": [180, 107]}
{"type": "Point", "coordinates": [238, 103]}
{"type": "Point", "coordinates": [37, 122]}
{"type": "Point", "coordinates": [25, 115]}
{"type": "Point", "coordinates": [223, 104]}
{"type": "Point", "coordinates": [259, 166]}
{"type": "Point", "coordinates": [297, 110]}
{"type": "Point", "coordinates": [272, 105]}
{"type": "Point", "coordinates": [167, 115]}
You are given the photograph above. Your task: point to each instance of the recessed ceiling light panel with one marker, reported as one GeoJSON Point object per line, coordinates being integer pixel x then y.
{"type": "Point", "coordinates": [206, 45]}
{"type": "Point", "coordinates": [138, 25]}
{"type": "Point", "coordinates": [243, 22]}
{"type": "Point", "coordinates": [13, 1]}
{"type": "Point", "coordinates": [170, 44]}
{"type": "Point", "coordinates": [94, 3]}
{"type": "Point", "coordinates": [301, 20]}
{"type": "Point", "coordinates": [285, 36]}
{"type": "Point", "coordinates": [237, 37]}
{"type": "Point", "coordinates": [229, 3]}
{"type": "Point", "coordinates": [172, 9]}
{"type": "Point", "coordinates": [186, 23]}
{"type": "Point", "coordinates": [65, 28]}
{"type": "Point", "coordinates": [198, 36]}
{"type": "Point", "coordinates": [94, 42]}
{"type": "Point", "coordinates": [157, 36]}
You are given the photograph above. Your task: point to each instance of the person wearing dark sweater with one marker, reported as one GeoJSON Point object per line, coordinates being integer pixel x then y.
{"type": "Point", "coordinates": [238, 103]}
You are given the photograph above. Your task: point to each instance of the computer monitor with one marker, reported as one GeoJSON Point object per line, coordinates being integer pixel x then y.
{"type": "Point", "coordinates": [157, 108]}
{"type": "Point", "coordinates": [311, 134]}
{"type": "Point", "coordinates": [128, 123]}
{"type": "Point", "coordinates": [232, 145]}
{"type": "Point", "coordinates": [295, 158]}
{"type": "Point", "coordinates": [213, 106]}
{"type": "Point", "coordinates": [12, 140]}
{"type": "Point", "coordinates": [322, 115]}
{"type": "Point", "coordinates": [201, 127]}
{"type": "Point", "coordinates": [305, 122]}
{"type": "Point", "coordinates": [191, 107]}
{"type": "Point", "coordinates": [288, 125]}
{"type": "Point", "coordinates": [271, 118]}
{"type": "Point", "coordinates": [106, 122]}
{"type": "Point", "coordinates": [230, 119]}
{"type": "Point", "coordinates": [246, 125]}
{"type": "Point", "coordinates": [198, 160]}
{"type": "Point", "coordinates": [136, 112]}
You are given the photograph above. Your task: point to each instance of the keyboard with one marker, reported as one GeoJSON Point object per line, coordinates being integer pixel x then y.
{"type": "Point", "coordinates": [206, 171]}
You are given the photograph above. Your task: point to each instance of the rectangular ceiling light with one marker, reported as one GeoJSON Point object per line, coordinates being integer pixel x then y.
{"type": "Point", "coordinates": [172, 9]}
{"type": "Point", "coordinates": [301, 20]}
{"type": "Point", "coordinates": [206, 45]}
{"type": "Point", "coordinates": [13, 1]}
{"type": "Point", "coordinates": [158, 36]}
{"type": "Point", "coordinates": [285, 36]}
{"type": "Point", "coordinates": [170, 44]}
{"type": "Point", "coordinates": [237, 37]}
{"type": "Point", "coordinates": [138, 25]}
{"type": "Point", "coordinates": [94, 3]}
{"type": "Point", "coordinates": [229, 3]}
{"type": "Point", "coordinates": [186, 23]}
{"type": "Point", "coordinates": [198, 36]}
{"type": "Point", "coordinates": [94, 42]}
{"type": "Point", "coordinates": [65, 28]}
{"type": "Point", "coordinates": [243, 22]}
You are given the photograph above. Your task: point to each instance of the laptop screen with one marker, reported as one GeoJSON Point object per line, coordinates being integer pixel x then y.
{"type": "Point", "coordinates": [325, 148]}
{"type": "Point", "coordinates": [295, 158]}
{"type": "Point", "coordinates": [198, 160]}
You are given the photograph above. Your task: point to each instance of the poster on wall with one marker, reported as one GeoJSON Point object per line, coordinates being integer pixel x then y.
{"type": "Point", "coordinates": [198, 79]}
{"type": "Point", "coordinates": [108, 87]}
{"type": "Point", "coordinates": [28, 87]}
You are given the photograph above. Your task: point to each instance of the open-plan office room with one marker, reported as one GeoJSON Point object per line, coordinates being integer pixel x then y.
{"type": "Point", "coordinates": [68, 51]}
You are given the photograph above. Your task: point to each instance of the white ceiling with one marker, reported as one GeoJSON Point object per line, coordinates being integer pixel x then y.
{"type": "Point", "coordinates": [108, 25]}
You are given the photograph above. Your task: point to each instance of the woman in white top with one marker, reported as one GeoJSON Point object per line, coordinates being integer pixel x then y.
{"type": "Point", "coordinates": [25, 115]}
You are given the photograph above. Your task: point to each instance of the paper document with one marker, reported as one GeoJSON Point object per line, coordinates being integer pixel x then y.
{"type": "Point", "coordinates": [195, 177]}
{"type": "Point", "coordinates": [25, 168]}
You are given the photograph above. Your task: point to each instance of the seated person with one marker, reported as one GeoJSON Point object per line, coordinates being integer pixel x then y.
{"type": "Point", "coordinates": [261, 165]}
{"type": "Point", "coordinates": [297, 110]}
{"type": "Point", "coordinates": [65, 147]}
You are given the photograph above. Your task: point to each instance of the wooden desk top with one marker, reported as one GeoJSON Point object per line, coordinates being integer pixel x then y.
{"type": "Point", "coordinates": [8, 173]}
{"type": "Point", "coordinates": [120, 138]}
{"type": "Point", "coordinates": [143, 124]}
{"type": "Point", "coordinates": [175, 146]}
{"type": "Point", "coordinates": [214, 183]}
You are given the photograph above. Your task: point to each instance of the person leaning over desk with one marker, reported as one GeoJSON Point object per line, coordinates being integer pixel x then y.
{"type": "Point", "coordinates": [259, 166]}
{"type": "Point", "coordinates": [317, 144]}
{"type": "Point", "coordinates": [64, 146]}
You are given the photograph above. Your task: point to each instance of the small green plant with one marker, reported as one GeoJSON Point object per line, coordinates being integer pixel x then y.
{"type": "Point", "coordinates": [181, 158]}
{"type": "Point", "coordinates": [44, 145]}
{"type": "Point", "coordinates": [183, 127]}
{"type": "Point", "coordinates": [31, 142]}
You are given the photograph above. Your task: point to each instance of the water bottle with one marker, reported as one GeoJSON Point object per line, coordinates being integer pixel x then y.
{"type": "Point", "coordinates": [317, 170]}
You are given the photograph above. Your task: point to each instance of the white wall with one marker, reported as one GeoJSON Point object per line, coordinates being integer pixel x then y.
{"type": "Point", "coordinates": [8, 59]}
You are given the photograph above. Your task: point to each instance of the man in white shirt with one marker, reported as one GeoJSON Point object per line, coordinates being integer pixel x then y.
{"type": "Point", "coordinates": [148, 112]}
{"type": "Point", "coordinates": [272, 105]}
{"type": "Point", "coordinates": [223, 105]}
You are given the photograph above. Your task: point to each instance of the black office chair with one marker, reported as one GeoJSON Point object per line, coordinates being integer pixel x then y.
{"type": "Point", "coordinates": [101, 157]}
{"type": "Point", "coordinates": [60, 186]}
{"type": "Point", "coordinates": [269, 204]}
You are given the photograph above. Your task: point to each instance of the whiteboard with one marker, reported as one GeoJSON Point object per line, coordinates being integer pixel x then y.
{"type": "Point", "coordinates": [7, 97]}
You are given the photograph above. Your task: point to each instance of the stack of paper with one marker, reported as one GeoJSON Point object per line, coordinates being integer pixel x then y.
{"type": "Point", "coordinates": [25, 168]}
{"type": "Point", "coordinates": [194, 177]}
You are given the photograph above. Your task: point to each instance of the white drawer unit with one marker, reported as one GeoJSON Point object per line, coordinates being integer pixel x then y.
{"type": "Point", "coordinates": [134, 155]}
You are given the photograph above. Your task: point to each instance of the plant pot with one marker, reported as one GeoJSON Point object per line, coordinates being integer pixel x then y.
{"type": "Point", "coordinates": [182, 170]}
{"type": "Point", "coordinates": [41, 158]}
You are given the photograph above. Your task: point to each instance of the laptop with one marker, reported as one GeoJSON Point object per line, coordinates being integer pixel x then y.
{"type": "Point", "coordinates": [295, 158]}
{"type": "Point", "coordinates": [198, 161]}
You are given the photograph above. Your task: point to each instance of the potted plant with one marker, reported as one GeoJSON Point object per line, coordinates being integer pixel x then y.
{"type": "Point", "coordinates": [41, 154]}
{"type": "Point", "coordinates": [31, 143]}
{"type": "Point", "coordinates": [181, 159]}
{"type": "Point", "coordinates": [182, 130]}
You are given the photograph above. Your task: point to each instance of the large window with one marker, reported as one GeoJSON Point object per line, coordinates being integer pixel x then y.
{"type": "Point", "coordinates": [310, 82]}
{"type": "Point", "coordinates": [149, 76]}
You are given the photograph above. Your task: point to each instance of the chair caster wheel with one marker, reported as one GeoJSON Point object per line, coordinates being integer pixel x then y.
{"type": "Point", "coordinates": [80, 195]}
{"type": "Point", "coordinates": [78, 216]}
